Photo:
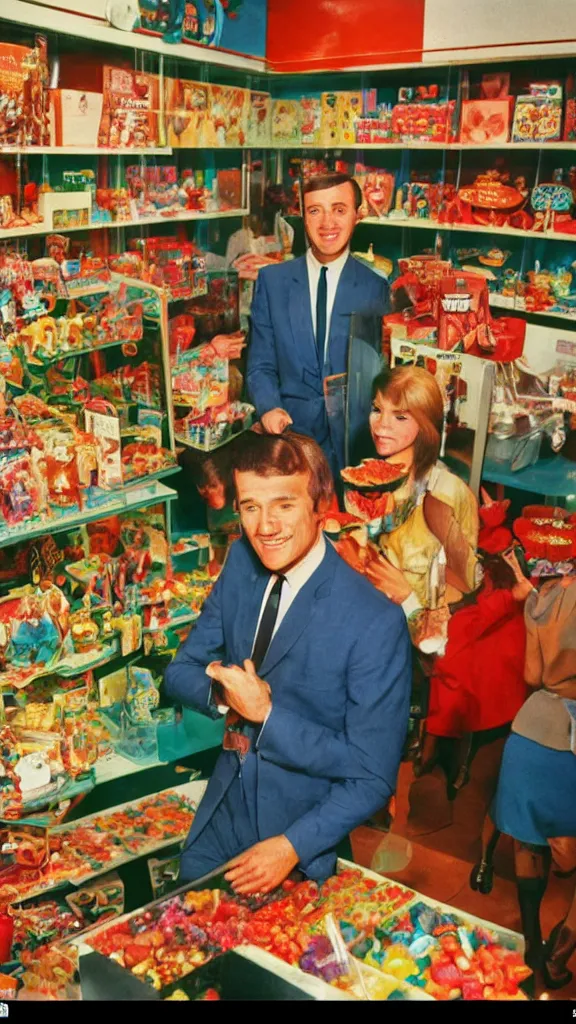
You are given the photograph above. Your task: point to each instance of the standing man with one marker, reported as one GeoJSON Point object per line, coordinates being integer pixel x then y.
{"type": "Point", "coordinates": [313, 664]}
{"type": "Point", "coordinates": [301, 318]}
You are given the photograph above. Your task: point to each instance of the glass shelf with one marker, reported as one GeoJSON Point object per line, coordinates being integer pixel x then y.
{"type": "Point", "coordinates": [554, 476]}
{"type": "Point", "coordinates": [128, 500]}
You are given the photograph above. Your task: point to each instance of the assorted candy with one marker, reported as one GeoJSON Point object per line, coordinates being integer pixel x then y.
{"type": "Point", "coordinates": [93, 845]}
{"type": "Point", "coordinates": [418, 951]}
{"type": "Point", "coordinates": [443, 954]}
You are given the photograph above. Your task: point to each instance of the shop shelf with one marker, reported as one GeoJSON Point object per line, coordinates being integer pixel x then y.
{"type": "Point", "coordinates": [98, 31]}
{"type": "Point", "coordinates": [86, 151]}
{"type": "Point", "coordinates": [554, 476]}
{"type": "Point", "coordinates": [127, 500]}
{"type": "Point", "coordinates": [507, 302]}
{"type": "Point", "coordinates": [379, 146]}
{"type": "Point", "coordinates": [184, 217]}
{"type": "Point", "coordinates": [433, 225]}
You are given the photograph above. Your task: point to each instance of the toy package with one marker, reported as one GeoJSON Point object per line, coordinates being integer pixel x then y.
{"type": "Point", "coordinates": [229, 112]}
{"type": "Point", "coordinates": [286, 117]}
{"type": "Point", "coordinates": [186, 112]}
{"type": "Point", "coordinates": [75, 117]}
{"type": "Point", "coordinates": [311, 125]}
{"type": "Point", "coordinates": [23, 95]}
{"type": "Point", "coordinates": [485, 121]}
{"type": "Point", "coordinates": [330, 127]}
{"type": "Point", "coordinates": [348, 110]}
{"type": "Point", "coordinates": [130, 111]}
{"type": "Point", "coordinates": [538, 116]}
{"type": "Point", "coordinates": [260, 119]}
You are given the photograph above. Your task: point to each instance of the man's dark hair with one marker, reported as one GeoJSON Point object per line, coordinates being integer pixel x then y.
{"type": "Point", "coordinates": [284, 455]}
{"type": "Point", "coordinates": [320, 182]}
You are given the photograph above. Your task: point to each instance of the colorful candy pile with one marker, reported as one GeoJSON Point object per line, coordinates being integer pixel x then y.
{"type": "Point", "coordinates": [441, 954]}
{"type": "Point", "coordinates": [83, 849]}
{"type": "Point", "coordinates": [414, 948]}
{"type": "Point", "coordinates": [168, 941]}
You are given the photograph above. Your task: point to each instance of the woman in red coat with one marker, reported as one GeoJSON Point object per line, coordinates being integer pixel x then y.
{"type": "Point", "coordinates": [478, 684]}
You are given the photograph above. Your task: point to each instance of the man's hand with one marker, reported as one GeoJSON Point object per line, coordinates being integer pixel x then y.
{"type": "Point", "coordinates": [244, 691]}
{"type": "Point", "coordinates": [250, 264]}
{"type": "Point", "coordinates": [263, 867]}
{"type": "Point", "coordinates": [275, 421]}
{"type": "Point", "coordinates": [388, 579]}
{"type": "Point", "coordinates": [229, 346]}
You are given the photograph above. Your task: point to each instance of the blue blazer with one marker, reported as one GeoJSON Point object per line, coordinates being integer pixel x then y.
{"type": "Point", "coordinates": [339, 667]}
{"type": "Point", "coordinates": [284, 370]}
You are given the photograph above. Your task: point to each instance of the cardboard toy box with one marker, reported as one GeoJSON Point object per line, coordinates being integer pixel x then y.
{"type": "Point", "coordinates": [75, 117]}
{"type": "Point", "coordinates": [485, 121]}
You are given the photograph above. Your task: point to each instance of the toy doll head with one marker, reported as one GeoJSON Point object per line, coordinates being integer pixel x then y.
{"type": "Point", "coordinates": [407, 413]}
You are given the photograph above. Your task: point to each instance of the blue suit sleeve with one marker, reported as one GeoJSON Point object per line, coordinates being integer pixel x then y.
{"type": "Point", "coordinates": [185, 680]}
{"type": "Point", "coordinates": [262, 368]}
{"type": "Point", "coordinates": [363, 759]}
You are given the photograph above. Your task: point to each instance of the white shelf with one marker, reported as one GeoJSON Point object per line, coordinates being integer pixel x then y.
{"type": "Point", "coordinates": [84, 151]}
{"type": "Point", "coordinates": [94, 30]}
{"type": "Point", "coordinates": [179, 218]}
{"type": "Point", "coordinates": [433, 225]}
{"type": "Point", "coordinates": [505, 302]}
{"type": "Point", "coordinates": [459, 146]}
{"type": "Point", "coordinates": [130, 498]}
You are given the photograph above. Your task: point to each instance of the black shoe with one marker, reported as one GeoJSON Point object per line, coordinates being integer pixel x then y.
{"type": "Point", "coordinates": [559, 980]}
{"type": "Point", "coordinates": [482, 878]}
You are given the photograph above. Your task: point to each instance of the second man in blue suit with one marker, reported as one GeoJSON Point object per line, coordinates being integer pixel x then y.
{"type": "Point", "coordinates": [301, 318]}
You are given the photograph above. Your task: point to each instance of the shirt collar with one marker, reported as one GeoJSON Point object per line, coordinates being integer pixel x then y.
{"type": "Point", "coordinates": [336, 266]}
{"type": "Point", "coordinates": [303, 570]}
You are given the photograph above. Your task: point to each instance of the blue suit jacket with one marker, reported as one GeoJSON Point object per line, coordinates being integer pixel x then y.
{"type": "Point", "coordinates": [284, 370]}
{"type": "Point", "coordinates": [339, 667]}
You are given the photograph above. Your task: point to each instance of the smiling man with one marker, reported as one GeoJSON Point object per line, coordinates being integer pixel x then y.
{"type": "Point", "coordinates": [301, 317]}
{"type": "Point", "coordinates": [311, 665]}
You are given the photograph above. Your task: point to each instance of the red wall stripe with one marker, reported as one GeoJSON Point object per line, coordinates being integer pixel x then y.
{"type": "Point", "coordinates": [333, 34]}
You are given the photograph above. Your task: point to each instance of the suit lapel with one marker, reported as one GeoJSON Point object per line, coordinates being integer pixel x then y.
{"type": "Point", "coordinates": [302, 612]}
{"type": "Point", "coordinates": [300, 313]}
{"type": "Point", "coordinates": [344, 304]}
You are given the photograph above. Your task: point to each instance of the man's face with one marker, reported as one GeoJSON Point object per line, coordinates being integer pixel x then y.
{"type": "Point", "coordinates": [330, 219]}
{"type": "Point", "coordinates": [278, 517]}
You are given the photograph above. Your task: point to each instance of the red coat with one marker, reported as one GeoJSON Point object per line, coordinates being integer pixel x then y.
{"type": "Point", "coordinates": [479, 682]}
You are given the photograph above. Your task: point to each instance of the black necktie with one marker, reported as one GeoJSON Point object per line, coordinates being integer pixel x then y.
{"type": "Point", "coordinates": [321, 314]}
{"type": "Point", "coordinates": [267, 623]}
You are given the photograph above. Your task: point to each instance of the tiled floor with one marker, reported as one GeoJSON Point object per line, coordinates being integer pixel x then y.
{"type": "Point", "coordinates": [445, 842]}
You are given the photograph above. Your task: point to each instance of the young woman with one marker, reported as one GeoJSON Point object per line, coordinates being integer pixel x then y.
{"type": "Point", "coordinates": [422, 552]}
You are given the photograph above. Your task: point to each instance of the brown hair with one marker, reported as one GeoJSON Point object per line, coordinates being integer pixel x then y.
{"type": "Point", "coordinates": [275, 455]}
{"type": "Point", "coordinates": [416, 391]}
{"type": "Point", "coordinates": [320, 182]}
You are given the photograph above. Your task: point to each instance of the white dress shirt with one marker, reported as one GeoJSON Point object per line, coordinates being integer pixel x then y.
{"type": "Point", "coordinates": [334, 270]}
{"type": "Point", "coordinates": [294, 580]}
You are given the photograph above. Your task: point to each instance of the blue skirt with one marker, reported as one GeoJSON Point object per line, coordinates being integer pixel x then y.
{"type": "Point", "coordinates": [536, 797]}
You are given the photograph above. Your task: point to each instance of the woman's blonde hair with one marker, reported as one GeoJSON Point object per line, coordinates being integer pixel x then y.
{"type": "Point", "coordinates": [416, 391]}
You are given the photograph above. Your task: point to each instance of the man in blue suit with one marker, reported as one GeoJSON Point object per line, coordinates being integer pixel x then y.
{"type": "Point", "coordinates": [301, 318]}
{"type": "Point", "coordinates": [311, 664]}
